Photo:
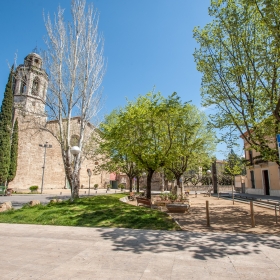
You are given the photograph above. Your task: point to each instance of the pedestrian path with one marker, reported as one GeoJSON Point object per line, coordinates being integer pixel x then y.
{"type": "Point", "coordinates": [54, 252]}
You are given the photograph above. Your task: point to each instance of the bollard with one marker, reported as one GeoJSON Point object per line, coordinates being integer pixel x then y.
{"type": "Point", "coordinates": [85, 192]}
{"type": "Point", "coordinates": [115, 191]}
{"type": "Point", "coordinates": [252, 214]}
{"type": "Point", "coordinates": [276, 214]}
{"type": "Point", "coordinates": [95, 191]}
{"type": "Point", "coordinates": [106, 191]}
{"type": "Point", "coordinates": [207, 213]}
{"type": "Point", "coordinates": [60, 193]}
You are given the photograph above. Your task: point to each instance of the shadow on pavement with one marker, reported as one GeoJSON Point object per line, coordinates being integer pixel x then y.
{"type": "Point", "coordinates": [201, 246]}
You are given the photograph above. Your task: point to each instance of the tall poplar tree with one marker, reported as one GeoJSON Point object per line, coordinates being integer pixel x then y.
{"type": "Point", "coordinates": [5, 130]}
{"type": "Point", "coordinates": [14, 153]}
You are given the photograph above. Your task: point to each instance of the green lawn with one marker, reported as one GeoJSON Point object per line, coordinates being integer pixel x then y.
{"type": "Point", "coordinates": [97, 211]}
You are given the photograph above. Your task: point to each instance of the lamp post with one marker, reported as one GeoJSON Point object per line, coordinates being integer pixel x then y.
{"type": "Point", "coordinates": [89, 175]}
{"type": "Point", "coordinates": [46, 145]}
{"type": "Point", "coordinates": [209, 173]}
{"type": "Point", "coordinates": [75, 151]}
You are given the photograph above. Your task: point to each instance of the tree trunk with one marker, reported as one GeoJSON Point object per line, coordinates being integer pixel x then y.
{"type": "Point", "coordinates": [214, 177]}
{"type": "Point", "coordinates": [177, 183]}
{"type": "Point", "coordinates": [76, 184]}
{"type": "Point", "coordinates": [166, 185]}
{"type": "Point", "coordinates": [149, 183]}
{"type": "Point", "coordinates": [138, 184]}
{"type": "Point", "coordinates": [130, 184]}
{"type": "Point", "coordinates": [162, 182]}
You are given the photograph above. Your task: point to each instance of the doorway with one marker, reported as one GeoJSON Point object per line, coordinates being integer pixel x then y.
{"type": "Point", "coordinates": [266, 182]}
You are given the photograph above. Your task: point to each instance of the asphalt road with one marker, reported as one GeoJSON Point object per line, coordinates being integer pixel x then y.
{"type": "Point", "coordinates": [18, 200]}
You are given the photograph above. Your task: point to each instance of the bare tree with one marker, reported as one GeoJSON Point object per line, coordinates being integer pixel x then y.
{"type": "Point", "coordinates": [75, 64]}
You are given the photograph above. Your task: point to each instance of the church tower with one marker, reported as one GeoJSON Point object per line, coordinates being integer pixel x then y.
{"type": "Point", "coordinates": [30, 86]}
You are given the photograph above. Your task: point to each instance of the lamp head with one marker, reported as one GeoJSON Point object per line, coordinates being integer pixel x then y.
{"type": "Point", "coordinates": [75, 150]}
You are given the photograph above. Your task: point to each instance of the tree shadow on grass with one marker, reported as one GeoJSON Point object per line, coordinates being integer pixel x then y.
{"type": "Point", "coordinates": [200, 246]}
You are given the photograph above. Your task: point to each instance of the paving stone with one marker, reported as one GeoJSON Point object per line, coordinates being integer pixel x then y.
{"type": "Point", "coordinates": [50, 252]}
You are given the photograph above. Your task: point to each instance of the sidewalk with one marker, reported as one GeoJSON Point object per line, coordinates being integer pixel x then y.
{"type": "Point", "coordinates": [51, 252]}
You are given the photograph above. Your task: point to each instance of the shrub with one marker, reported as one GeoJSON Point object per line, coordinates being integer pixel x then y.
{"type": "Point", "coordinates": [34, 188]}
{"type": "Point", "coordinates": [108, 187]}
{"type": "Point", "coordinates": [164, 196]}
{"type": "Point", "coordinates": [172, 197]}
{"type": "Point", "coordinates": [121, 186]}
{"type": "Point", "coordinates": [95, 186]}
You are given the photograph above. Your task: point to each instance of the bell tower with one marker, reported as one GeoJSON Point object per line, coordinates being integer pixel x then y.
{"type": "Point", "coordinates": [30, 87]}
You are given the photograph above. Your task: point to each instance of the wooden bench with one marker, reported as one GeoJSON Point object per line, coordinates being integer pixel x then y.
{"type": "Point", "coordinates": [3, 190]}
{"type": "Point", "coordinates": [143, 201]}
{"type": "Point", "coordinates": [131, 196]}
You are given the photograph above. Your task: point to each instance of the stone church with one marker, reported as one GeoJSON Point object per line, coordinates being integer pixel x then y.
{"type": "Point", "coordinates": [30, 89]}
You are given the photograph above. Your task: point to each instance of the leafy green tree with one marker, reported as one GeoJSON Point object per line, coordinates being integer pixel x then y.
{"type": "Point", "coordinates": [14, 153]}
{"type": "Point", "coordinates": [238, 56]}
{"type": "Point", "coordinates": [234, 165]}
{"type": "Point", "coordinates": [148, 131]}
{"type": "Point", "coordinates": [112, 155]}
{"type": "Point", "coordinates": [194, 141]}
{"type": "Point", "coordinates": [6, 130]}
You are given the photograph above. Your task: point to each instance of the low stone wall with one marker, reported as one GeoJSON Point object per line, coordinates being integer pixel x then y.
{"type": "Point", "coordinates": [206, 188]}
{"type": "Point", "coordinates": [275, 192]}
{"type": "Point", "coordinates": [254, 191]}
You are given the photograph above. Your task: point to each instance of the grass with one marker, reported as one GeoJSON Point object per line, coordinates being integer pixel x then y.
{"type": "Point", "coordinates": [97, 211]}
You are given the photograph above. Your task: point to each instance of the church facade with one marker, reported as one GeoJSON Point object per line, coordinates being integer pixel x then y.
{"type": "Point", "coordinates": [30, 93]}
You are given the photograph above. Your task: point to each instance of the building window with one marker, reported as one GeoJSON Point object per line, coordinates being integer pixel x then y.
{"type": "Point", "coordinates": [35, 86]}
{"type": "Point", "coordinates": [251, 157]}
{"type": "Point", "coordinates": [252, 175]}
{"type": "Point", "coordinates": [23, 85]}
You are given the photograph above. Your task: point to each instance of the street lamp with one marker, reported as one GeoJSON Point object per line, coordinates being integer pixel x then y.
{"type": "Point", "coordinates": [209, 173]}
{"type": "Point", "coordinates": [43, 174]}
{"type": "Point", "coordinates": [75, 151]}
{"type": "Point", "coordinates": [89, 175]}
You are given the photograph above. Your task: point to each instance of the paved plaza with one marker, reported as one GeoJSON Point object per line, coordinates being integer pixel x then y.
{"type": "Point", "coordinates": [53, 252]}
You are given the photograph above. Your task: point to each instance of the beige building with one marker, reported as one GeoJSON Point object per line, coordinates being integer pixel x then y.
{"type": "Point", "coordinates": [261, 177]}
{"type": "Point", "coordinates": [30, 88]}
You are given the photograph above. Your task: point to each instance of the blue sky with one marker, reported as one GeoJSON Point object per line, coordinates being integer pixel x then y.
{"type": "Point", "coordinates": [147, 43]}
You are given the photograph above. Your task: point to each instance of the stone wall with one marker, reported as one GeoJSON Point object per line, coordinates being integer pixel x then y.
{"type": "Point", "coordinates": [31, 158]}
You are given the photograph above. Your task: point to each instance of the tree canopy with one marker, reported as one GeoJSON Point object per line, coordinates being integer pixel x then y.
{"type": "Point", "coordinates": [238, 56]}
{"type": "Point", "coordinates": [153, 132]}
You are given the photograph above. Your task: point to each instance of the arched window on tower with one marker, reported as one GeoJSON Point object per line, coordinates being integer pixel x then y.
{"type": "Point", "coordinates": [35, 86]}
{"type": "Point", "coordinates": [23, 85]}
